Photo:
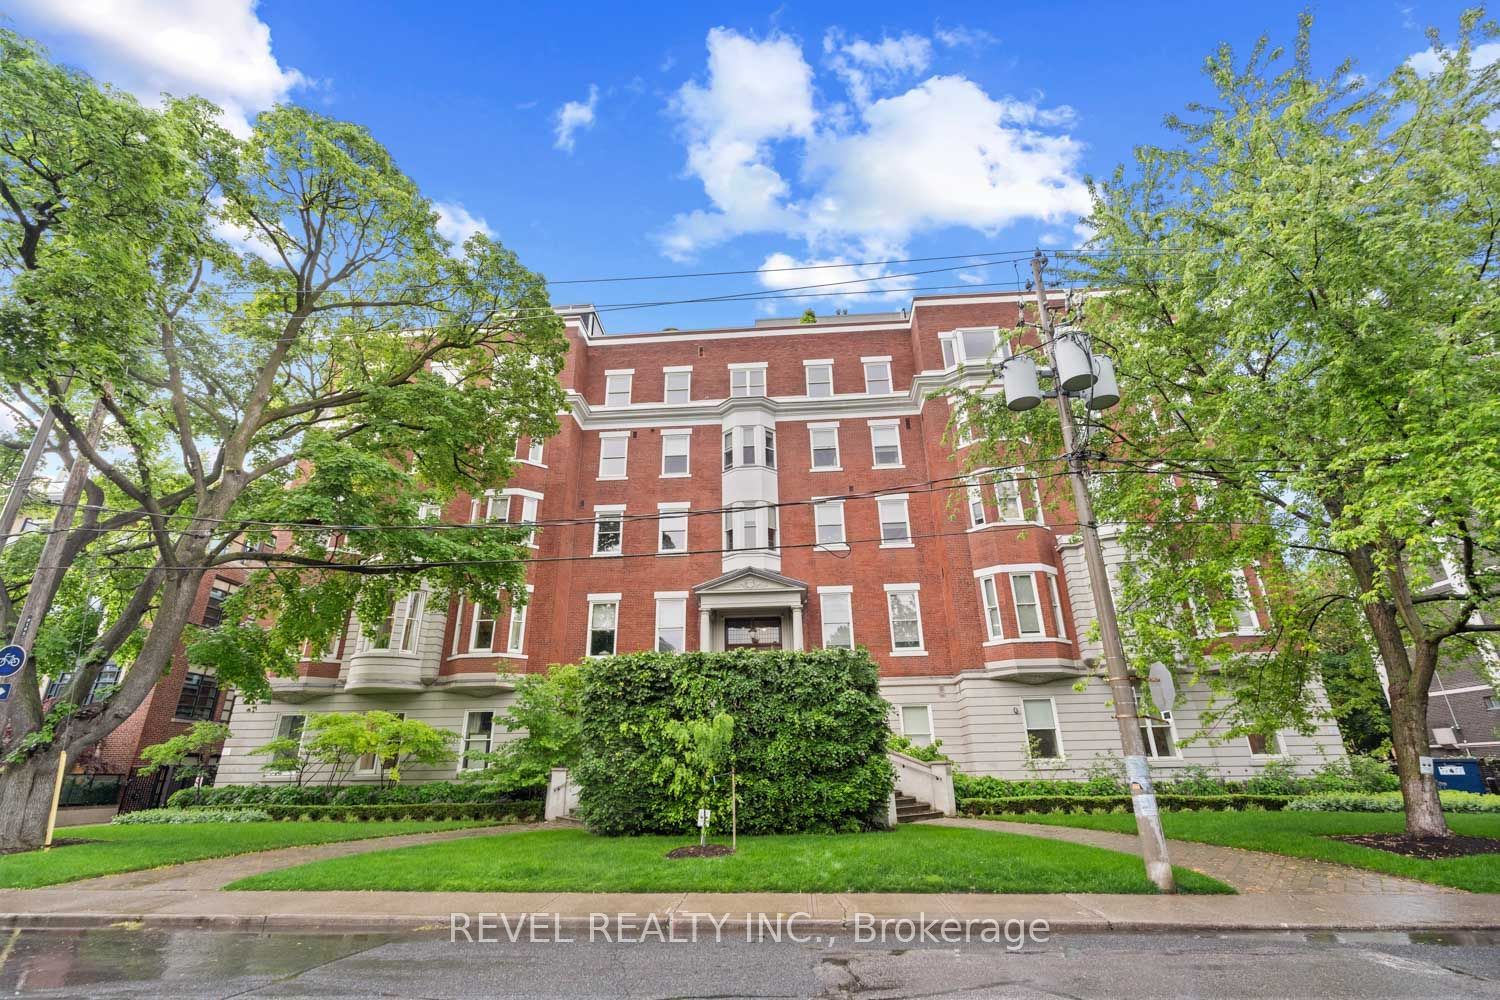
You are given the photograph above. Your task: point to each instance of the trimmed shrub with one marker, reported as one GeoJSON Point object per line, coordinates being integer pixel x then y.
{"type": "Point", "coordinates": [510, 812]}
{"type": "Point", "coordinates": [1455, 802]}
{"type": "Point", "coordinates": [1119, 803]}
{"type": "Point", "coordinates": [809, 739]}
{"type": "Point", "coordinates": [361, 795]}
{"type": "Point", "coordinates": [172, 817]}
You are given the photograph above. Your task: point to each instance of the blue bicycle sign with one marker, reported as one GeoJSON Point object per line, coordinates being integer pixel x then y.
{"type": "Point", "coordinates": [12, 659]}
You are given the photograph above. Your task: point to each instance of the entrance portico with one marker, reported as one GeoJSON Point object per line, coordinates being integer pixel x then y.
{"type": "Point", "coordinates": [750, 608]}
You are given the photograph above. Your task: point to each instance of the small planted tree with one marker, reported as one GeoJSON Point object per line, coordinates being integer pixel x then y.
{"type": "Point", "coordinates": [336, 742]}
{"type": "Point", "coordinates": [702, 758]}
{"type": "Point", "coordinates": [186, 752]}
{"type": "Point", "coordinates": [545, 712]}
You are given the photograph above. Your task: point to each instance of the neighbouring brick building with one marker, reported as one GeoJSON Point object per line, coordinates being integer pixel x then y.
{"type": "Point", "coordinates": [783, 484]}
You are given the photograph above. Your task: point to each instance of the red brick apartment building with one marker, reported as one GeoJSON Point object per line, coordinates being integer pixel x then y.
{"type": "Point", "coordinates": [790, 485]}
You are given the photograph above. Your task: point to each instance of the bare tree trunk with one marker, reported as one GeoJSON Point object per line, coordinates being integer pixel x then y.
{"type": "Point", "coordinates": [26, 800]}
{"type": "Point", "coordinates": [1419, 792]}
{"type": "Point", "coordinates": [1408, 697]}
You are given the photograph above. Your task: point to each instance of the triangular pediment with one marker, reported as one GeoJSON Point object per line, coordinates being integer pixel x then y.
{"type": "Point", "coordinates": [749, 581]}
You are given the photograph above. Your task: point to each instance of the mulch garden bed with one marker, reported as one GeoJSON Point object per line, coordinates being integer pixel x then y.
{"type": "Point", "coordinates": [1430, 849]}
{"type": "Point", "coordinates": [701, 851]}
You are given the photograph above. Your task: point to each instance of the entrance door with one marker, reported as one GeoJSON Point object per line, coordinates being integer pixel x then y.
{"type": "Point", "coordinates": [752, 633]}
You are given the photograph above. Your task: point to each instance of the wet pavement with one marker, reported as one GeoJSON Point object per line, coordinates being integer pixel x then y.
{"type": "Point", "coordinates": [167, 964]}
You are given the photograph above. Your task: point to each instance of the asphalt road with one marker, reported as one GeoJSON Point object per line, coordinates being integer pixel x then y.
{"type": "Point", "coordinates": [159, 965]}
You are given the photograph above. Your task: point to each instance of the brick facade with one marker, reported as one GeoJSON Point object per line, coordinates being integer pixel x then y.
{"type": "Point", "coordinates": [972, 680]}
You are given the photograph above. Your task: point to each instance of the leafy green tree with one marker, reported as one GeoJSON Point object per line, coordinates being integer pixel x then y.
{"type": "Point", "coordinates": [1303, 309]}
{"type": "Point", "coordinates": [545, 712]}
{"type": "Point", "coordinates": [279, 336]}
{"type": "Point", "coordinates": [701, 759]}
{"type": "Point", "coordinates": [187, 752]}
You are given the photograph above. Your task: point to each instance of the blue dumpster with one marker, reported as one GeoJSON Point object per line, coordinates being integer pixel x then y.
{"type": "Point", "coordinates": [1458, 774]}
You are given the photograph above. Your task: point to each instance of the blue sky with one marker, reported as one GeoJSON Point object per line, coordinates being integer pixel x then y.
{"type": "Point", "coordinates": [630, 139]}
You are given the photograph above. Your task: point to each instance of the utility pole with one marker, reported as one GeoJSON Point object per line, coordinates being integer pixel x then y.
{"type": "Point", "coordinates": [1137, 767]}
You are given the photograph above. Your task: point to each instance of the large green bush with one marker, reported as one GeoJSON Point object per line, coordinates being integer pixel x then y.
{"type": "Point", "coordinates": [808, 747]}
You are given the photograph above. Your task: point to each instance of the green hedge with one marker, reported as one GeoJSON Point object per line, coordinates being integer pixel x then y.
{"type": "Point", "coordinates": [1118, 803]}
{"type": "Point", "coordinates": [176, 817]}
{"type": "Point", "coordinates": [1454, 802]}
{"type": "Point", "coordinates": [809, 739]}
{"type": "Point", "coordinates": [515, 812]}
{"type": "Point", "coordinates": [350, 795]}
{"type": "Point", "coordinates": [1352, 774]}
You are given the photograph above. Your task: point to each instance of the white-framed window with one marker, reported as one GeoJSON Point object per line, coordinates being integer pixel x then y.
{"type": "Point", "coordinates": [1160, 738]}
{"type": "Point", "coordinates": [905, 611]}
{"type": "Point", "coordinates": [401, 628]}
{"type": "Point", "coordinates": [671, 528]}
{"type": "Point", "coordinates": [604, 617]}
{"type": "Point", "coordinates": [530, 504]}
{"type": "Point", "coordinates": [1043, 738]}
{"type": "Point", "coordinates": [1246, 621]}
{"type": "Point", "coordinates": [617, 387]}
{"type": "Point", "coordinates": [533, 451]}
{"type": "Point", "coordinates": [878, 376]}
{"type": "Point", "coordinates": [1264, 744]}
{"type": "Point", "coordinates": [677, 384]}
{"type": "Point", "coordinates": [1028, 608]}
{"type": "Point", "coordinates": [828, 522]}
{"type": "Point", "coordinates": [371, 764]}
{"type": "Point", "coordinates": [750, 526]}
{"type": "Point", "coordinates": [747, 380]}
{"type": "Point", "coordinates": [975, 503]}
{"type": "Point", "coordinates": [836, 607]}
{"type": "Point", "coordinates": [671, 622]}
{"type": "Point", "coordinates": [675, 446]}
{"type": "Point", "coordinates": [895, 522]}
{"type": "Point", "coordinates": [291, 727]}
{"type": "Point", "coordinates": [479, 731]}
{"type": "Point", "coordinates": [497, 506]}
{"type": "Point", "coordinates": [978, 345]}
{"type": "Point", "coordinates": [916, 724]}
{"type": "Point", "coordinates": [885, 443]}
{"type": "Point", "coordinates": [990, 594]}
{"type": "Point", "coordinates": [515, 636]}
{"type": "Point", "coordinates": [613, 448]}
{"type": "Point", "coordinates": [609, 530]}
{"type": "Point", "coordinates": [749, 445]}
{"type": "Point", "coordinates": [819, 378]}
{"type": "Point", "coordinates": [825, 446]}
{"type": "Point", "coordinates": [429, 511]}
{"type": "Point", "coordinates": [948, 344]}
{"type": "Point", "coordinates": [1008, 498]}
{"type": "Point", "coordinates": [482, 629]}
{"type": "Point", "coordinates": [1057, 612]}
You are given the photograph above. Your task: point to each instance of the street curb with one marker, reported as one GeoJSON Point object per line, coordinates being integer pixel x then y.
{"type": "Point", "coordinates": [676, 928]}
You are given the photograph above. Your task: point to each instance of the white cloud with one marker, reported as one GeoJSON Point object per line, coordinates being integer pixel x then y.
{"type": "Point", "coordinates": [575, 116]}
{"type": "Point", "coordinates": [456, 224]}
{"type": "Point", "coordinates": [1431, 61]}
{"type": "Point", "coordinates": [218, 49]}
{"type": "Point", "coordinates": [865, 66]}
{"type": "Point", "coordinates": [942, 153]}
{"type": "Point", "coordinates": [758, 92]}
{"type": "Point", "coordinates": [835, 276]}
{"type": "Point", "coordinates": [960, 37]}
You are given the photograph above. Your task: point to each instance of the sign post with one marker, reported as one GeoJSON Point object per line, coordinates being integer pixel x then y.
{"type": "Point", "coordinates": [62, 769]}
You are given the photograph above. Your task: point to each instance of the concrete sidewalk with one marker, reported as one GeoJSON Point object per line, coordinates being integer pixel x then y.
{"type": "Point", "coordinates": [544, 914]}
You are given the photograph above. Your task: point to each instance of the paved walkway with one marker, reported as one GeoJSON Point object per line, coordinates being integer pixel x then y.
{"type": "Point", "coordinates": [1246, 871]}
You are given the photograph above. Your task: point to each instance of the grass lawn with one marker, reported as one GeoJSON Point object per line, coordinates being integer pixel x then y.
{"type": "Point", "coordinates": [908, 859]}
{"type": "Point", "coordinates": [134, 848]}
{"type": "Point", "coordinates": [1305, 835]}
